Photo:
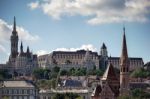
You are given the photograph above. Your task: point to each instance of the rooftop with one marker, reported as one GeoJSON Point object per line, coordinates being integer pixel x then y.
{"type": "Point", "coordinates": [18, 84]}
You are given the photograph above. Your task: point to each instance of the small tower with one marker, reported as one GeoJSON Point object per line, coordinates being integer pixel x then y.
{"type": "Point", "coordinates": [14, 41]}
{"type": "Point", "coordinates": [104, 57]}
{"type": "Point", "coordinates": [124, 68]}
{"type": "Point", "coordinates": [21, 48]}
{"type": "Point", "coordinates": [28, 50]}
{"type": "Point", "coordinates": [103, 51]}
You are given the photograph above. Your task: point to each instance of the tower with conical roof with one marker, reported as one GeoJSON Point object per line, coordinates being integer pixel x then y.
{"type": "Point", "coordinates": [124, 68]}
{"type": "Point", "coordinates": [104, 57]}
{"type": "Point", "coordinates": [14, 41]}
{"type": "Point", "coordinates": [103, 50]}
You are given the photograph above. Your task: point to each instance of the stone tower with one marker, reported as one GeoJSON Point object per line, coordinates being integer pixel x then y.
{"type": "Point", "coordinates": [124, 68]}
{"type": "Point", "coordinates": [104, 57]}
{"type": "Point", "coordinates": [14, 45]}
{"type": "Point", "coordinates": [14, 41]}
{"type": "Point", "coordinates": [103, 51]}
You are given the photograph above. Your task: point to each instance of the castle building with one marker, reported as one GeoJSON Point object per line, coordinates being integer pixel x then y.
{"type": "Point", "coordinates": [20, 62]}
{"type": "Point", "coordinates": [66, 59]}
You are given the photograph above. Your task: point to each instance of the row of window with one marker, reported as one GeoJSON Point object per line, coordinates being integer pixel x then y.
{"type": "Point", "coordinates": [78, 56]}
{"type": "Point", "coordinates": [18, 91]}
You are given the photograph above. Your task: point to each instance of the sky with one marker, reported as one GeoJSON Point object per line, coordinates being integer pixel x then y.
{"type": "Point", "coordinates": [70, 25]}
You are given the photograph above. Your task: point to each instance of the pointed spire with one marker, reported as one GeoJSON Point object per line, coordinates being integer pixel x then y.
{"type": "Point", "coordinates": [103, 46]}
{"type": "Point", "coordinates": [124, 55]}
{"type": "Point", "coordinates": [14, 28]}
{"type": "Point", "coordinates": [21, 47]}
{"type": "Point", "coordinates": [28, 50]}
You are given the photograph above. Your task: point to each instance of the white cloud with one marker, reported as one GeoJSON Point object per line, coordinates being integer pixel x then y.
{"type": "Point", "coordinates": [6, 30]}
{"type": "Point", "coordinates": [83, 47]}
{"type": "Point", "coordinates": [5, 33]}
{"type": "Point", "coordinates": [33, 5]}
{"type": "Point", "coordinates": [98, 11]}
{"type": "Point", "coordinates": [2, 49]}
{"type": "Point", "coordinates": [42, 52]}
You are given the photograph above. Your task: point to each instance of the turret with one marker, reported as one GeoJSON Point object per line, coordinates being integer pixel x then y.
{"type": "Point", "coordinates": [103, 51]}
{"type": "Point", "coordinates": [28, 50]}
{"type": "Point", "coordinates": [21, 48]}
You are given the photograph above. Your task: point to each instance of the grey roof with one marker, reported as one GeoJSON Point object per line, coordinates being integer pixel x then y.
{"type": "Point", "coordinates": [103, 46]}
{"type": "Point", "coordinates": [18, 84]}
{"type": "Point", "coordinates": [72, 83]}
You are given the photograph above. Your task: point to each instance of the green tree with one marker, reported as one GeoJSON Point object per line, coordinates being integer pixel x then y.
{"type": "Point", "coordinates": [140, 73]}
{"type": "Point", "coordinates": [99, 72]}
{"type": "Point", "coordinates": [56, 69]}
{"type": "Point", "coordinates": [63, 72]}
{"type": "Point", "coordinates": [124, 97]}
{"type": "Point", "coordinates": [5, 97]}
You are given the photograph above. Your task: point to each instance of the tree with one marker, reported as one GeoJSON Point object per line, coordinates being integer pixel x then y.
{"type": "Point", "coordinates": [140, 73]}
{"type": "Point", "coordinates": [140, 94]}
{"type": "Point", "coordinates": [66, 96]}
{"type": "Point", "coordinates": [63, 72]}
{"type": "Point", "coordinates": [124, 97]}
{"type": "Point", "coordinates": [56, 69]}
{"type": "Point", "coordinates": [99, 72]}
{"type": "Point", "coordinates": [40, 73]}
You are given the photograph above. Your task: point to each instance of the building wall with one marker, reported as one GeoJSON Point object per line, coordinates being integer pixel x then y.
{"type": "Point", "coordinates": [61, 58]}
{"type": "Point", "coordinates": [19, 93]}
{"type": "Point", "coordinates": [134, 62]}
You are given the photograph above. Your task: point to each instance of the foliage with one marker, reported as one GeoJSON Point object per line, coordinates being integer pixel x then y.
{"type": "Point", "coordinates": [56, 69]}
{"type": "Point", "coordinates": [4, 75]}
{"type": "Point", "coordinates": [140, 94]}
{"type": "Point", "coordinates": [81, 72]}
{"type": "Point", "coordinates": [64, 72]}
{"type": "Point", "coordinates": [140, 73]}
{"type": "Point", "coordinates": [66, 96]}
{"type": "Point", "coordinates": [40, 73]}
{"type": "Point", "coordinates": [124, 97]}
{"type": "Point", "coordinates": [5, 97]}
{"type": "Point", "coordinates": [46, 84]}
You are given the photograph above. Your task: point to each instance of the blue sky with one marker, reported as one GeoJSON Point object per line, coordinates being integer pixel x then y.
{"type": "Point", "coordinates": [47, 25]}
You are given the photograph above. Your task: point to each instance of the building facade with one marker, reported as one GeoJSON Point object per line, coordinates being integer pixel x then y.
{"type": "Point", "coordinates": [18, 90]}
{"type": "Point", "coordinates": [76, 59]}
{"type": "Point", "coordinates": [66, 60]}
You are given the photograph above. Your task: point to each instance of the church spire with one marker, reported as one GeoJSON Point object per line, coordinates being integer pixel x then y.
{"type": "Point", "coordinates": [28, 50]}
{"type": "Point", "coordinates": [14, 27]}
{"type": "Point", "coordinates": [14, 41]}
{"type": "Point", "coordinates": [124, 68]}
{"type": "Point", "coordinates": [124, 55]}
{"type": "Point", "coordinates": [21, 48]}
